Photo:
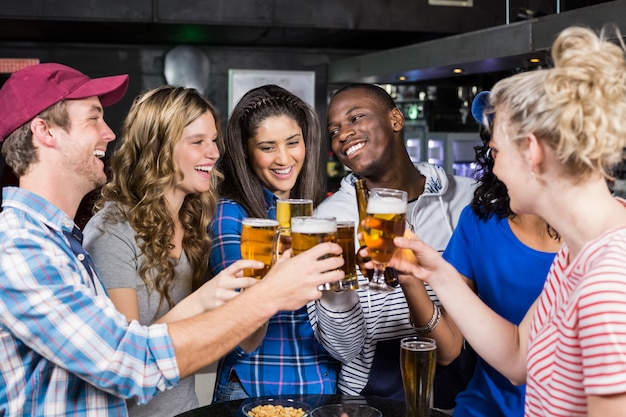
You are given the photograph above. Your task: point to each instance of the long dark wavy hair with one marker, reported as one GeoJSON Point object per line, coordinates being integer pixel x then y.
{"type": "Point", "coordinates": [241, 183]}
{"type": "Point", "coordinates": [143, 169]}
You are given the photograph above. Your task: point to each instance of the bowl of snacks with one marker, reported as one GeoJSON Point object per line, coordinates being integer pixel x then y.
{"type": "Point", "coordinates": [276, 407]}
{"type": "Point", "coordinates": [346, 410]}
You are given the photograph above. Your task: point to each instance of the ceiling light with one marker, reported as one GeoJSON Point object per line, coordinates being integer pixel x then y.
{"type": "Point", "coordinates": [402, 78]}
{"type": "Point", "coordinates": [534, 60]}
{"type": "Point", "coordinates": [457, 70]}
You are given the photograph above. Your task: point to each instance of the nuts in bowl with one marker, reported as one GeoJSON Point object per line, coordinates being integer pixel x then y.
{"type": "Point", "coordinates": [276, 407]}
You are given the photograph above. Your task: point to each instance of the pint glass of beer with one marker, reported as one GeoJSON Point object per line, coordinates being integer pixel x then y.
{"type": "Point", "coordinates": [285, 210]}
{"type": "Point", "coordinates": [345, 239]}
{"type": "Point", "coordinates": [418, 358]}
{"type": "Point", "coordinates": [385, 220]}
{"type": "Point", "coordinates": [307, 232]}
{"type": "Point", "coordinates": [257, 243]}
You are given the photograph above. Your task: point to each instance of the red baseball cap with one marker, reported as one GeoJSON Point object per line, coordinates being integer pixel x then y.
{"type": "Point", "coordinates": [33, 89]}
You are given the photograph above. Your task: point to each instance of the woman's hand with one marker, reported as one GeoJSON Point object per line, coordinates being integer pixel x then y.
{"type": "Point", "coordinates": [225, 285]}
{"type": "Point", "coordinates": [414, 258]}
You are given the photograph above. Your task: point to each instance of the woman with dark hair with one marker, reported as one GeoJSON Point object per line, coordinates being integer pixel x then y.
{"type": "Point", "coordinates": [490, 247]}
{"type": "Point", "coordinates": [272, 151]}
{"type": "Point", "coordinates": [245, 180]}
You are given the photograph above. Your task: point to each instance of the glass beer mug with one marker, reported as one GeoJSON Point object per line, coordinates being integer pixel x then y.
{"type": "Point", "coordinates": [257, 243]}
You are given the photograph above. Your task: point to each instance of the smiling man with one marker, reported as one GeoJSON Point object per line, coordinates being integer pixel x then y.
{"type": "Point", "coordinates": [65, 350]}
{"type": "Point", "coordinates": [365, 129]}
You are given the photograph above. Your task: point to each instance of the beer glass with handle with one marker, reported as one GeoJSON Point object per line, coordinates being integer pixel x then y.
{"type": "Point", "coordinates": [307, 232]}
{"type": "Point", "coordinates": [385, 220]}
{"type": "Point", "coordinates": [257, 243]}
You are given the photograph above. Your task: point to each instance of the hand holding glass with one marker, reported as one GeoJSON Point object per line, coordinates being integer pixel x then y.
{"type": "Point", "coordinates": [307, 232]}
{"type": "Point", "coordinates": [385, 220]}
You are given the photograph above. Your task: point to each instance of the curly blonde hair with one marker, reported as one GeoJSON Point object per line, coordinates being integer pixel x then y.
{"type": "Point", "coordinates": [578, 107]}
{"type": "Point", "coordinates": [143, 169]}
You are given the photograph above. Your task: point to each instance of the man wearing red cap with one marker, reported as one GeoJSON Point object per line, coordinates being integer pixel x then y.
{"type": "Point", "coordinates": [65, 349]}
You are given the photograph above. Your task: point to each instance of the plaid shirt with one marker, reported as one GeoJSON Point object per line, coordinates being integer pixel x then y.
{"type": "Point", "coordinates": [64, 348]}
{"type": "Point", "coordinates": [290, 360]}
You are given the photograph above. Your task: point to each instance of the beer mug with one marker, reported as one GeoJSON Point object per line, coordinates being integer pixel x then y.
{"type": "Point", "coordinates": [257, 243]}
{"type": "Point", "coordinates": [418, 359]}
{"type": "Point", "coordinates": [307, 232]}
{"type": "Point", "coordinates": [285, 210]}
{"type": "Point", "coordinates": [345, 239]}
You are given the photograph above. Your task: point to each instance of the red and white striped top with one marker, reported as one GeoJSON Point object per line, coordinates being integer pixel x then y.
{"type": "Point", "coordinates": [578, 333]}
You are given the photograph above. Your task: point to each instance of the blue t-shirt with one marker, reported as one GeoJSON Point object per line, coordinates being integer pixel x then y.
{"type": "Point", "coordinates": [290, 360]}
{"type": "Point", "coordinates": [509, 277]}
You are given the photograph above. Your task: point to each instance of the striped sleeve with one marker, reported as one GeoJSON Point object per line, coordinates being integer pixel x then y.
{"type": "Point", "coordinates": [339, 324]}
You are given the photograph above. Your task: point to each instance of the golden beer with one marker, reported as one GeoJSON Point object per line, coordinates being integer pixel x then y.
{"type": "Point", "coordinates": [257, 243]}
{"type": "Point", "coordinates": [285, 210]}
{"type": "Point", "coordinates": [307, 232]}
{"type": "Point", "coordinates": [345, 239]}
{"type": "Point", "coordinates": [418, 358]}
{"type": "Point", "coordinates": [292, 207]}
{"type": "Point", "coordinates": [386, 219]}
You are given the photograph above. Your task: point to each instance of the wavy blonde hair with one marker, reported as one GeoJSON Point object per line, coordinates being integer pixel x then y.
{"type": "Point", "coordinates": [578, 107]}
{"type": "Point", "coordinates": [143, 169]}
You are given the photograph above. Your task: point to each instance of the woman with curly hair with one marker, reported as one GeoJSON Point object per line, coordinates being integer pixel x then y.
{"type": "Point", "coordinates": [148, 236]}
{"type": "Point", "coordinates": [556, 134]}
{"type": "Point", "coordinates": [272, 150]}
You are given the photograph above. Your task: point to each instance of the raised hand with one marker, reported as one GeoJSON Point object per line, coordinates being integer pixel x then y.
{"type": "Point", "coordinates": [294, 281]}
{"type": "Point", "coordinates": [225, 285]}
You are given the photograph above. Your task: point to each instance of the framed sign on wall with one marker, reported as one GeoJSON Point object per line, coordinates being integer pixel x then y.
{"type": "Point", "coordinates": [300, 83]}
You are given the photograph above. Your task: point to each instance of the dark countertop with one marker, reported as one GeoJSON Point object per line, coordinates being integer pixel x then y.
{"type": "Point", "coordinates": [389, 408]}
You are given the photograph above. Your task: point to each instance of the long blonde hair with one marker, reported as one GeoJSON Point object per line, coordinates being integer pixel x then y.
{"type": "Point", "coordinates": [578, 107]}
{"type": "Point", "coordinates": [143, 169]}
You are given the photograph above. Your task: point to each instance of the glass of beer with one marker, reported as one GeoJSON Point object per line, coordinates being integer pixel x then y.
{"type": "Point", "coordinates": [385, 220]}
{"type": "Point", "coordinates": [257, 243]}
{"type": "Point", "coordinates": [307, 231]}
{"type": "Point", "coordinates": [418, 358]}
{"type": "Point", "coordinates": [285, 210]}
{"type": "Point", "coordinates": [345, 239]}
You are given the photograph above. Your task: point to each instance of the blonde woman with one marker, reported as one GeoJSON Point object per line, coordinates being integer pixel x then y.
{"type": "Point", "coordinates": [148, 237]}
{"type": "Point", "coordinates": [556, 134]}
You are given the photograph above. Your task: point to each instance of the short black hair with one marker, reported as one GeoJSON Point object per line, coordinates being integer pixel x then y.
{"type": "Point", "coordinates": [384, 100]}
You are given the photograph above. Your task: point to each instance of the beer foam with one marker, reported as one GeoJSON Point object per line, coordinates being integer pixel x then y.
{"type": "Point", "coordinates": [259, 222]}
{"type": "Point", "coordinates": [313, 225]}
{"type": "Point", "coordinates": [386, 205]}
